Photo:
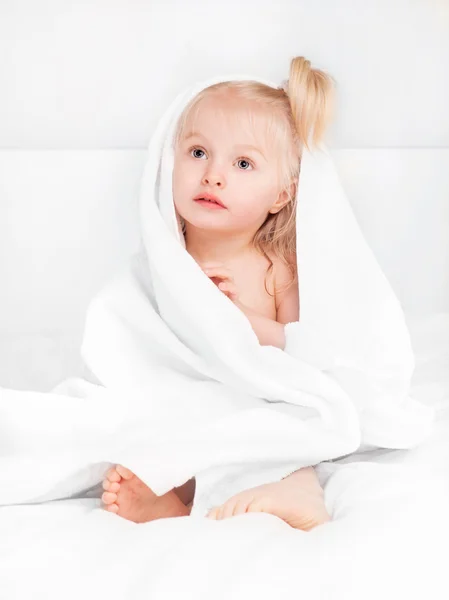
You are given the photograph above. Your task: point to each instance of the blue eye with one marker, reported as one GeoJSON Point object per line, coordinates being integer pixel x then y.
{"type": "Point", "coordinates": [195, 150]}
{"type": "Point", "coordinates": [244, 160]}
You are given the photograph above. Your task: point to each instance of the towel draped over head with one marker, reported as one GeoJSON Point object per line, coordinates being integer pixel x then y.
{"type": "Point", "coordinates": [203, 396]}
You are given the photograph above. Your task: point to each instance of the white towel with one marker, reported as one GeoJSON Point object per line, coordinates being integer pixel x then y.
{"type": "Point", "coordinates": [342, 381]}
{"type": "Point", "coordinates": [192, 391]}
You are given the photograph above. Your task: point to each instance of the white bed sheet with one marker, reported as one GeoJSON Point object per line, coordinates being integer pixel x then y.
{"type": "Point", "coordinates": [387, 539]}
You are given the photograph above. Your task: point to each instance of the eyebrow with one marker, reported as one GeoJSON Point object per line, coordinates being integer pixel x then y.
{"type": "Point", "coordinates": [250, 146]}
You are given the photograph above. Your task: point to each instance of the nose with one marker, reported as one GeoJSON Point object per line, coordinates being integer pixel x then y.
{"type": "Point", "coordinates": [213, 180]}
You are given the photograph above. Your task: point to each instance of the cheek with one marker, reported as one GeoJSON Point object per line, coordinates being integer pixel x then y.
{"type": "Point", "coordinates": [183, 182]}
{"type": "Point", "coordinates": [254, 201]}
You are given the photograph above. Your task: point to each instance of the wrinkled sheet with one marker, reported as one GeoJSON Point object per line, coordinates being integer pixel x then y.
{"type": "Point", "coordinates": [387, 537]}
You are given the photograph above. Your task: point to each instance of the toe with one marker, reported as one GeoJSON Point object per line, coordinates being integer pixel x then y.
{"type": "Point", "coordinates": [109, 498]}
{"type": "Point", "coordinates": [220, 512]}
{"type": "Point", "coordinates": [125, 473]}
{"type": "Point", "coordinates": [113, 508]}
{"type": "Point", "coordinates": [111, 486]}
{"type": "Point", "coordinates": [112, 475]}
{"type": "Point", "coordinates": [211, 513]}
{"type": "Point", "coordinates": [228, 510]}
{"type": "Point", "coordinates": [240, 508]}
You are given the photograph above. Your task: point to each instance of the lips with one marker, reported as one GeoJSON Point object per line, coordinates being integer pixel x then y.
{"type": "Point", "coordinates": [209, 198]}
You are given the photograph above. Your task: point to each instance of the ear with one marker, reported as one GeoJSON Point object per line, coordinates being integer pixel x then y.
{"type": "Point", "coordinates": [283, 199]}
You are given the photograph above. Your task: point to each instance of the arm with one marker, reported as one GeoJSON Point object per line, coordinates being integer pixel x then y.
{"type": "Point", "coordinates": [286, 293]}
{"type": "Point", "coordinates": [269, 332]}
{"type": "Point", "coordinates": [287, 297]}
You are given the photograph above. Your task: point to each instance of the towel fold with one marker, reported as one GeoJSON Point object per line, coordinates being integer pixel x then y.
{"type": "Point", "coordinates": [193, 391]}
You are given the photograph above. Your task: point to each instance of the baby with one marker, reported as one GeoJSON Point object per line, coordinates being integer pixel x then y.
{"type": "Point", "coordinates": [237, 156]}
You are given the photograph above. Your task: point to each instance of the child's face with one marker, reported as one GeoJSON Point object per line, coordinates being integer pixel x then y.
{"type": "Point", "coordinates": [217, 160]}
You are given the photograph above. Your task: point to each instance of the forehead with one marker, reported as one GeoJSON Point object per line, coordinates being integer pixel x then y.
{"type": "Point", "coordinates": [229, 118]}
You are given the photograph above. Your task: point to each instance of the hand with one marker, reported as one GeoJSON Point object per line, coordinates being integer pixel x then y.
{"type": "Point", "coordinates": [223, 279]}
{"type": "Point", "coordinates": [268, 331]}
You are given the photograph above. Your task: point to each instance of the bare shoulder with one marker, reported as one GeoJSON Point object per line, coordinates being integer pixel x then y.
{"type": "Point", "coordinates": [286, 290]}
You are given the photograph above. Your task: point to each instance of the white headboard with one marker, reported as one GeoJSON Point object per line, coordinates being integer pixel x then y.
{"type": "Point", "coordinates": [68, 220]}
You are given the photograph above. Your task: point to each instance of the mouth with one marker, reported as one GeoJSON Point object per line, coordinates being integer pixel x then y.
{"type": "Point", "coordinates": [209, 201]}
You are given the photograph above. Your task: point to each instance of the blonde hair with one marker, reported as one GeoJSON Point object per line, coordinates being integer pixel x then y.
{"type": "Point", "coordinates": [300, 111]}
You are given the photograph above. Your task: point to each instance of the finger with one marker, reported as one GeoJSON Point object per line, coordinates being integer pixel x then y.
{"type": "Point", "coordinates": [220, 272]}
{"type": "Point", "coordinates": [229, 290]}
{"type": "Point", "coordinates": [210, 264]}
{"type": "Point", "coordinates": [229, 287]}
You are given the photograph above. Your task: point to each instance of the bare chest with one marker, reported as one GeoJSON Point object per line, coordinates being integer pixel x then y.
{"type": "Point", "coordinates": [250, 281]}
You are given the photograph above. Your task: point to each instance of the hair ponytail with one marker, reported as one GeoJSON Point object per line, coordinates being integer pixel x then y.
{"type": "Point", "coordinates": [310, 92]}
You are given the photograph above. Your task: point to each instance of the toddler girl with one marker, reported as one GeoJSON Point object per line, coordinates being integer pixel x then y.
{"type": "Point", "coordinates": [237, 155]}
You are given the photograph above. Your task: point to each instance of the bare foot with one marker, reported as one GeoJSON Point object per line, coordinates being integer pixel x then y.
{"type": "Point", "coordinates": [298, 500]}
{"type": "Point", "coordinates": [129, 497]}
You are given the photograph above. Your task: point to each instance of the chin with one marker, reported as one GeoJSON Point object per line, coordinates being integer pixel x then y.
{"type": "Point", "coordinates": [207, 225]}
{"type": "Point", "coordinates": [204, 221]}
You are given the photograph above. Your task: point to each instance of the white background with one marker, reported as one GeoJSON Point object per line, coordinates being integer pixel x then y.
{"type": "Point", "coordinates": [98, 73]}
{"type": "Point", "coordinates": [83, 84]}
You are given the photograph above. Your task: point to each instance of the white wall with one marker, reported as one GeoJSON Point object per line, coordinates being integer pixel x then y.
{"type": "Point", "coordinates": [98, 73]}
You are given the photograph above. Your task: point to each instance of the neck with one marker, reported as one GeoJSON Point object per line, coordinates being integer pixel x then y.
{"type": "Point", "coordinates": [205, 245]}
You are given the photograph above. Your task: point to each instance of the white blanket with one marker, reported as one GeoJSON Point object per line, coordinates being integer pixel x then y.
{"type": "Point", "coordinates": [387, 538]}
{"type": "Point", "coordinates": [184, 389]}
